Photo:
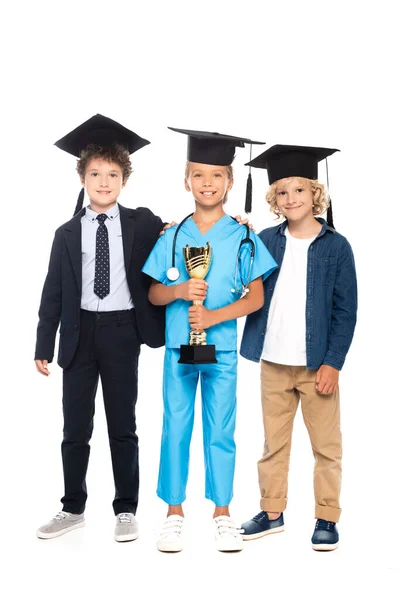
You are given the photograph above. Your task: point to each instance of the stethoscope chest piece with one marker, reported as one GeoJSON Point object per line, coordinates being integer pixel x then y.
{"type": "Point", "coordinates": [173, 274]}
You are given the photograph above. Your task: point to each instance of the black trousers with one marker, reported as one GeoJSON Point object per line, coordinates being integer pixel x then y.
{"type": "Point", "coordinates": [108, 347]}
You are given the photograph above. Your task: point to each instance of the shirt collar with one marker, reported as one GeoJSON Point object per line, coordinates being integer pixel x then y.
{"type": "Point", "coordinates": [112, 213]}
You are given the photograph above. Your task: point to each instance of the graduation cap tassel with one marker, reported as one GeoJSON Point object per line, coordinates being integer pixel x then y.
{"type": "Point", "coordinates": [329, 214]}
{"type": "Point", "coordinates": [249, 190]}
{"type": "Point", "coordinates": [329, 217]}
{"type": "Point", "coordinates": [249, 194]}
{"type": "Point", "coordinates": [79, 203]}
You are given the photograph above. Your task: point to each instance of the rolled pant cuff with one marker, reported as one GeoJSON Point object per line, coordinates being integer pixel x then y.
{"type": "Point", "coordinates": [328, 513]}
{"type": "Point", "coordinates": [273, 504]}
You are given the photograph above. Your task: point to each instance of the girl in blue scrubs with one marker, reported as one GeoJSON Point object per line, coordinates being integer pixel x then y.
{"type": "Point", "coordinates": [209, 178]}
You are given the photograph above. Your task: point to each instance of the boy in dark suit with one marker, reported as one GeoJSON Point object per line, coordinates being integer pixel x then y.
{"type": "Point", "coordinates": [97, 293]}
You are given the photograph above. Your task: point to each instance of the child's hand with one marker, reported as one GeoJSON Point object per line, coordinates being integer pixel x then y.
{"type": "Point", "coordinates": [200, 317]}
{"type": "Point", "coordinates": [194, 289]}
{"type": "Point", "coordinates": [327, 380]}
{"type": "Point", "coordinates": [167, 226]}
{"type": "Point", "coordinates": [41, 366]}
{"type": "Point", "coordinates": [244, 222]}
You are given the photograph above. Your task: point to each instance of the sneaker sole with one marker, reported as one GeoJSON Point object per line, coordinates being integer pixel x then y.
{"type": "Point", "coordinates": [222, 548]}
{"type": "Point", "coordinates": [127, 537]}
{"type": "Point", "coordinates": [255, 536]}
{"type": "Point", "coordinates": [169, 547]}
{"type": "Point", "coordinates": [324, 547]}
{"type": "Point", "coordinates": [48, 536]}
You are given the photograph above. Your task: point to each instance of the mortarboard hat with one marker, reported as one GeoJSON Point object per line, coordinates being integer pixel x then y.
{"type": "Point", "coordinates": [282, 161]}
{"type": "Point", "coordinates": [212, 148]}
{"type": "Point", "coordinates": [100, 131]}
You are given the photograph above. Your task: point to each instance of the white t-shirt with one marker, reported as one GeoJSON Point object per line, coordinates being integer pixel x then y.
{"type": "Point", "coordinates": [285, 338]}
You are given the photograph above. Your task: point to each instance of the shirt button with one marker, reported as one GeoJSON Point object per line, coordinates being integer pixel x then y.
{"type": "Point", "coordinates": [76, 327]}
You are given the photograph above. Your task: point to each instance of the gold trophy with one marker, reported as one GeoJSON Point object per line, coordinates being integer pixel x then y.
{"type": "Point", "coordinates": [197, 263]}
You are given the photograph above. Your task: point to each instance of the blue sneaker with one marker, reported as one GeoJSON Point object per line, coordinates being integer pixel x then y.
{"type": "Point", "coordinates": [325, 536]}
{"type": "Point", "coordinates": [261, 525]}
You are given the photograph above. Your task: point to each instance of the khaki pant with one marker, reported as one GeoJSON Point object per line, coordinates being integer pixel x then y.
{"type": "Point", "coordinates": [282, 387]}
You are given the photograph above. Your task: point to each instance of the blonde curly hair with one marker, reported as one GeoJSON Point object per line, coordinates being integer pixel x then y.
{"type": "Point", "coordinates": [229, 172]}
{"type": "Point", "coordinates": [320, 194]}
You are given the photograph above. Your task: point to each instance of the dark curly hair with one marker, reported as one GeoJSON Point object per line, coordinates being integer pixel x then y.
{"type": "Point", "coordinates": [115, 153]}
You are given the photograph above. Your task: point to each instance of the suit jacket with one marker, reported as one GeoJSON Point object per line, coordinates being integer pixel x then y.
{"type": "Point", "coordinates": [61, 296]}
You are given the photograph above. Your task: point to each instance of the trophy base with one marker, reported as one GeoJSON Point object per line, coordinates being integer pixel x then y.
{"type": "Point", "coordinates": [198, 355]}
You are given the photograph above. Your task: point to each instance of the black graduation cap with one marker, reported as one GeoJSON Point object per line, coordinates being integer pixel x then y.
{"type": "Point", "coordinates": [283, 161]}
{"type": "Point", "coordinates": [212, 148]}
{"type": "Point", "coordinates": [100, 131]}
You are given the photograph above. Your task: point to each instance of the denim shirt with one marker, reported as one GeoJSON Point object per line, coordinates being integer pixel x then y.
{"type": "Point", "coordinates": [331, 303]}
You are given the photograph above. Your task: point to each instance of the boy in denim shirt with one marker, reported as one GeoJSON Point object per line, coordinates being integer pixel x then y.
{"type": "Point", "coordinates": [302, 335]}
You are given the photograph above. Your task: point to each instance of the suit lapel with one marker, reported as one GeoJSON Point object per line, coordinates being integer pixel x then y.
{"type": "Point", "coordinates": [128, 234]}
{"type": "Point", "coordinates": [73, 240]}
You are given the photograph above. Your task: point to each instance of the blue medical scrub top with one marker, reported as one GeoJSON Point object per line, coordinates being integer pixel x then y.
{"type": "Point", "coordinates": [224, 237]}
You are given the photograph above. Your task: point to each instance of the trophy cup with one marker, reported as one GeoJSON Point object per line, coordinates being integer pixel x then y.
{"type": "Point", "coordinates": [197, 263]}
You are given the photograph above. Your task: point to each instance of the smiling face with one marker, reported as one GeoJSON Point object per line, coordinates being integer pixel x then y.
{"type": "Point", "coordinates": [209, 184]}
{"type": "Point", "coordinates": [103, 182]}
{"type": "Point", "coordinates": [294, 199]}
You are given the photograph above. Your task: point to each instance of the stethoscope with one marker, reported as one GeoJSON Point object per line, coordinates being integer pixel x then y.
{"type": "Point", "coordinates": [173, 272]}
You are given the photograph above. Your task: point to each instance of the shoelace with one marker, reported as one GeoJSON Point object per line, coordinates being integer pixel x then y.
{"type": "Point", "coordinates": [226, 526]}
{"type": "Point", "coordinates": [326, 525]}
{"type": "Point", "coordinates": [124, 518]}
{"type": "Point", "coordinates": [61, 515]}
{"type": "Point", "coordinates": [172, 528]}
{"type": "Point", "coordinates": [260, 517]}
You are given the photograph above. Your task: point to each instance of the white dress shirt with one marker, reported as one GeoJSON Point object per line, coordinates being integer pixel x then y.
{"type": "Point", "coordinates": [119, 297]}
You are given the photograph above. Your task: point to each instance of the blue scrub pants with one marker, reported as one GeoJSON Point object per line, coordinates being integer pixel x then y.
{"type": "Point", "coordinates": [218, 391]}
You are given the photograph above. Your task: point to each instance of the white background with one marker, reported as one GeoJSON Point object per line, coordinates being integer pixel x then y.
{"type": "Point", "coordinates": [312, 73]}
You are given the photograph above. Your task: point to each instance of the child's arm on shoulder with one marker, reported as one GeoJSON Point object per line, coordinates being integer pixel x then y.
{"type": "Point", "coordinates": [193, 289]}
{"type": "Point", "coordinates": [202, 318]}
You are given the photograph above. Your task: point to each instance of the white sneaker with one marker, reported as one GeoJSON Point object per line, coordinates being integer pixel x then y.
{"type": "Point", "coordinates": [228, 536]}
{"type": "Point", "coordinates": [170, 537]}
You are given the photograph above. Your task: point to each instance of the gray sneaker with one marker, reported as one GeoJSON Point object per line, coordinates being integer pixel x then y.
{"type": "Point", "coordinates": [126, 528]}
{"type": "Point", "coordinates": [62, 523]}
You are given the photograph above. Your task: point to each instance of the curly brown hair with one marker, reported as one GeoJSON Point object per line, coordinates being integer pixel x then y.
{"type": "Point", "coordinates": [229, 172]}
{"type": "Point", "coordinates": [115, 153]}
{"type": "Point", "coordinates": [320, 194]}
